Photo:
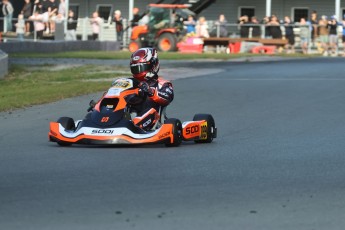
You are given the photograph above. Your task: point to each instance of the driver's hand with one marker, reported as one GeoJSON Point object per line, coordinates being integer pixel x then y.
{"type": "Point", "coordinates": [144, 89]}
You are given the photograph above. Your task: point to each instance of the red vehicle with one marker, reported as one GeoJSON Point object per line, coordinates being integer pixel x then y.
{"type": "Point", "coordinates": [164, 28]}
{"type": "Point", "coordinates": [109, 121]}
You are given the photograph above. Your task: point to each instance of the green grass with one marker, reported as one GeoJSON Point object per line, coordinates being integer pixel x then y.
{"type": "Point", "coordinates": [25, 86]}
{"type": "Point", "coordinates": [126, 55]}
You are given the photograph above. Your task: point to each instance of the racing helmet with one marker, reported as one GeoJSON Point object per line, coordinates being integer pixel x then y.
{"type": "Point", "coordinates": [144, 64]}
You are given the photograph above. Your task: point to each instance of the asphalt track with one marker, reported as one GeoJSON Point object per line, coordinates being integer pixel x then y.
{"type": "Point", "coordinates": [278, 162]}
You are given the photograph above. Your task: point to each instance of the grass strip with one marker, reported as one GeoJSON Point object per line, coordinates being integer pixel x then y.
{"type": "Point", "coordinates": [25, 86]}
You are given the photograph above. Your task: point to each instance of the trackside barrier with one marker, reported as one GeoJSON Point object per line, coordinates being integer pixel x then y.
{"type": "Point", "coordinates": [3, 64]}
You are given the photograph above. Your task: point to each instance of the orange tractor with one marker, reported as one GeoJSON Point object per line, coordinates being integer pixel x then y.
{"type": "Point", "coordinates": [163, 30]}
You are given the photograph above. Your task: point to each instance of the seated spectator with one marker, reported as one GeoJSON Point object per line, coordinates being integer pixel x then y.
{"type": "Point", "coordinates": [202, 28]}
{"type": "Point", "coordinates": [289, 35]}
{"type": "Point", "coordinates": [37, 18]}
{"type": "Point", "coordinates": [304, 35]}
{"type": "Point", "coordinates": [244, 29]}
{"type": "Point", "coordinates": [190, 24]}
{"type": "Point", "coordinates": [221, 23]}
{"type": "Point", "coordinates": [256, 28]}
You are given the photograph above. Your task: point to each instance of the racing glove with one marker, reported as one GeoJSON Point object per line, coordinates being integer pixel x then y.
{"type": "Point", "coordinates": [144, 89]}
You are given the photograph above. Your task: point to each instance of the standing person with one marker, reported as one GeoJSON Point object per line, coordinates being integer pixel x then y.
{"type": "Point", "coordinates": [136, 17]}
{"type": "Point", "coordinates": [343, 22]}
{"type": "Point", "coordinates": [20, 27]}
{"type": "Point", "coordinates": [7, 10]}
{"type": "Point", "coordinates": [333, 35]}
{"type": "Point", "coordinates": [190, 24]}
{"type": "Point", "coordinates": [118, 25]}
{"type": "Point", "coordinates": [27, 12]}
{"type": "Point", "coordinates": [304, 35]}
{"type": "Point", "coordinates": [289, 35]}
{"type": "Point", "coordinates": [202, 28]}
{"type": "Point", "coordinates": [244, 28]}
{"type": "Point", "coordinates": [323, 34]}
{"type": "Point", "coordinates": [37, 18]}
{"type": "Point", "coordinates": [62, 8]}
{"type": "Point", "coordinates": [274, 27]}
{"type": "Point", "coordinates": [314, 23]}
{"type": "Point", "coordinates": [71, 27]}
{"type": "Point", "coordinates": [223, 31]}
{"type": "Point", "coordinates": [96, 22]}
{"type": "Point", "coordinates": [256, 29]}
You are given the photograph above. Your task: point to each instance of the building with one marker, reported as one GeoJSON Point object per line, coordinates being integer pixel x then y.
{"type": "Point", "coordinates": [232, 9]}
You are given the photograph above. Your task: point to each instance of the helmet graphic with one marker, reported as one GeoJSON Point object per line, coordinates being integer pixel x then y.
{"type": "Point", "coordinates": [144, 64]}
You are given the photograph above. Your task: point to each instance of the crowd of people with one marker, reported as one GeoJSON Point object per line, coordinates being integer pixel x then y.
{"type": "Point", "coordinates": [319, 32]}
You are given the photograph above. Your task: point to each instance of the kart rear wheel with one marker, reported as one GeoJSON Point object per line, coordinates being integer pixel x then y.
{"type": "Point", "coordinates": [211, 127]}
{"type": "Point", "coordinates": [68, 124]}
{"type": "Point", "coordinates": [177, 132]}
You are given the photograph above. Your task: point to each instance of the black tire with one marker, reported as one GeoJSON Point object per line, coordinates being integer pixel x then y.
{"type": "Point", "coordinates": [211, 126]}
{"type": "Point", "coordinates": [177, 132]}
{"type": "Point", "coordinates": [68, 124]}
{"type": "Point", "coordinates": [170, 38]}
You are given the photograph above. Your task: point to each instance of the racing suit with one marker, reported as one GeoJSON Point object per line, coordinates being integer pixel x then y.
{"type": "Point", "coordinates": [158, 95]}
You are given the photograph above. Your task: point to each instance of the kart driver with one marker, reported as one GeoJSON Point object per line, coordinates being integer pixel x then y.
{"type": "Point", "coordinates": [157, 92]}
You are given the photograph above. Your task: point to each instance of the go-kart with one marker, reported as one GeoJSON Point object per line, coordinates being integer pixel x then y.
{"type": "Point", "coordinates": [109, 121]}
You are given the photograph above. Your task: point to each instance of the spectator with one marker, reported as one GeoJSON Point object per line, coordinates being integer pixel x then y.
{"type": "Point", "coordinates": [256, 29]}
{"type": "Point", "coordinates": [314, 23]}
{"type": "Point", "coordinates": [96, 22]}
{"type": "Point", "coordinates": [7, 10]}
{"type": "Point", "coordinates": [136, 17]}
{"type": "Point", "coordinates": [37, 18]}
{"type": "Point", "coordinates": [274, 27]}
{"type": "Point", "coordinates": [343, 37]}
{"type": "Point", "coordinates": [62, 8]}
{"type": "Point", "coordinates": [333, 35]}
{"type": "Point", "coordinates": [265, 22]}
{"type": "Point", "coordinates": [202, 28]}
{"type": "Point", "coordinates": [304, 35]}
{"type": "Point", "coordinates": [20, 27]}
{"type": "Point", "coordinates": [190, 24]}
{"type": "Point", "coordinates": [52, 9]}
{"type": "Point", "coordinates": [45, 5]}
{"type": "Point", "coordinates": [289, 35]}
{"type": "Point", "coordinates": [244, 28]}
{"type": "Point", "coordinates": [323, 34]}
{"type": "Point", "coordinates": [27, 12]}
{"type": "Point", "coordinates": [221, 23]}
{"type": "Point", "coordinates": [71, 27]}
{"type": "Point", "coordinates": [118, 25]}
{"type": "Point", "coordinates": [38, 6]}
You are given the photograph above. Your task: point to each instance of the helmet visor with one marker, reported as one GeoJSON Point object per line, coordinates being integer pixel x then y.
{"type": "Point", "coordinates": [140, 67]}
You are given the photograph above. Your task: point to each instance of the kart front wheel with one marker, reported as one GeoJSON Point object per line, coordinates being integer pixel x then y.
{"type": "Point", "coordinates": [68, 124]}
{"type": "Point", "coordinates": [211, 127]}
{"type": "Point", "coordinates": [177, 132]}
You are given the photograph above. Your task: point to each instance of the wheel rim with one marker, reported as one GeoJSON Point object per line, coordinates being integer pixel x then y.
{"type": "Point", "coordinates": [165, 44]}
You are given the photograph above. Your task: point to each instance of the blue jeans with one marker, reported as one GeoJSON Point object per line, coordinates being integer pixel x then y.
{"type": "Point", "coordinates": [119, 36]}
{"type": "Point", "coordinates": [20, 37]}
{"type": "Point", "coordinates": [9, 21]}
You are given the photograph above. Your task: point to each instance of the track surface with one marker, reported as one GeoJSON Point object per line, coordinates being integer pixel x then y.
{"type": "Point", "coordinates": [278, 162]}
